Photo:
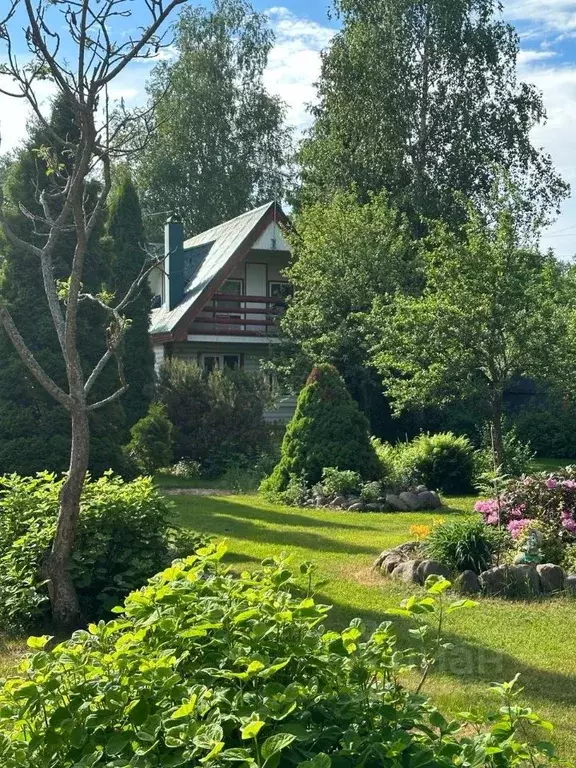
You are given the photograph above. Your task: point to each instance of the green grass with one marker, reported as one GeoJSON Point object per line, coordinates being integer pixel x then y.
{"type": "Point", "coordinates": [491, 642]}
{"type": "Point", "coordinates": [545, 464]}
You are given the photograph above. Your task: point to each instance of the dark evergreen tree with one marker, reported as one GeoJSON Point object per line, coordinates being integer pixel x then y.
{"type": "Point", "coordinates": [327, 430]}
{"type": "Point", "coordinates": [126, 232]}
{"type": "Point", "coordinates": [34, 429]}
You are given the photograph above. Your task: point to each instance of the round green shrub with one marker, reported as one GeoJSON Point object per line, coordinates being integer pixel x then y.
{"type": "Point", "coordinates": [443, 462]}
{"type": "Point", "coordinates": [205, 668]}
{"type": "Point", "coordinates": [126, 532]}
{"type": "Point", "coordinates": [327, 430]}
{"type": "Point", "coordinates": [152, 440]}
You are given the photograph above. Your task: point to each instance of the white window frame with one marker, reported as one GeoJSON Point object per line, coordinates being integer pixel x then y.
{"type": "Point", "coordinates": [276, 282]}
{"type": "Point", "coordinates": [219, 357]}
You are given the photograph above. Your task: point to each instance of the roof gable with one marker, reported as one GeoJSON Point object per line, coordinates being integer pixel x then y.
{"type": "Point", "coordinates": [209, 258]}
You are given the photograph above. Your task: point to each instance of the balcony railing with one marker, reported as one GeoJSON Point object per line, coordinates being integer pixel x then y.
{"type": "Point", "coordinates": [233, 315]}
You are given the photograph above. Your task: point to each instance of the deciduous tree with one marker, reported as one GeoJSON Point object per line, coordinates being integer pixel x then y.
{"type": "Point", "coordinates": [493, 308]}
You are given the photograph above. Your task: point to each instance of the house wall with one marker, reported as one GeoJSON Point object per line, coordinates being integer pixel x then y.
{"type": "Point", "coordinates": [193, 351]}
{"type": "Point", "coordinates": [275, 261]}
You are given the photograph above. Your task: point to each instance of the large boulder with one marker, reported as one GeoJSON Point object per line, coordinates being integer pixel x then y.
{"type": "Point", "coordinates": [356, 507]}
{"type": "Point", "coordinates": [494, 581]}
{"type": "Point", "coordinates": [467, 583]}
{"type": "Point", "coordinates": [391, 562]}
{"type": "Point", "coordinates": [407, 572]}
{"type": "Point", "coordinates": [395, 503]}
{"type": "Point", "coordinates": [339, 501]}
{"type": "Point", "coordinates": [429, 500]}
{"type": "Point", "coordinates": [432, 568]}
{"type": "Point", "coordinates": [411, 500]}
{"type": "Point", "coordinates": [519, 581]}
{"type": "Point", "coordinates": [551, 577]}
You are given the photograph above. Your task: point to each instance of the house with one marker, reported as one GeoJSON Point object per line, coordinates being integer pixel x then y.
{"type": "Point", "coordinates": [221, 293]}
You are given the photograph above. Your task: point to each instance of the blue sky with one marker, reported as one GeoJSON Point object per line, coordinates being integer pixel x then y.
{"type": "Point", "coordinates": [548, 59]}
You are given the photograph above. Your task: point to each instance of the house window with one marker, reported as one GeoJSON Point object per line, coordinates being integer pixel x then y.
{"type": "Point", "coordinates": [220, 362]}
{"type": "Point", "coordinates": [231, 287]}
{"type": "Point", "coordinates": [280, 289]}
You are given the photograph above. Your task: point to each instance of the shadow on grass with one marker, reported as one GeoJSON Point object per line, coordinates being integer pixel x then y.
{"type": "Point", "coordinates": [468, 661]}
{"type": "Point", "coordinates": [244, 522]}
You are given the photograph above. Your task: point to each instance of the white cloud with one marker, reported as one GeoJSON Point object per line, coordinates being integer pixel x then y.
{"type": "Point", "coordinates": [557, 15]}
{"type": "Point", "coordinates": [294, 63]}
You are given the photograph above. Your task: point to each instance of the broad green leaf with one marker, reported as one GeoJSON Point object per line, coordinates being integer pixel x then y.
{"type": "Point", "coordinates": [276, 743]}
{"type": "Point", "coordinates": [38, 643]}
{"type": "Point", "coordinates": [252, 729]}
{"type": "Point", "coordinates": [117, 742]}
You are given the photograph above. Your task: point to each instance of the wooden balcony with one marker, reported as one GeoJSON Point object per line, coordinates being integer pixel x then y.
{"type": "Point", "coordinates": [233, 315]}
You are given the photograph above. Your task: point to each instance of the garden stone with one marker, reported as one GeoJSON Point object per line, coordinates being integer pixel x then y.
{"type": "Point", "coordinates": [382, 507]}
{"type": "Point", "coordinates": [339, 501]}
{"type": "Point", "coordinates": [467, 583]}
{"type": "Point", "coordinates": [429, 500]}
{"type": "Point", "coordinates": [407, 572]}
{"type": "Point", "coordinates": [358, 507]}
{"type": "Point", "coordinates": [321, 501]}
{"type": "Point", "coordinates": [432, 568]}
{"type": "Point", "coordinates": [524, 581]}
{"type": "Point", "coordinates": [411, 500]}
{"type": "Point", "coordinates": [551, 577]}
{"type": "Point", "coordinates": [391, 562]}
{"type": "Point", "coordinates": [381, 557]}
{"type": "Point", "coordinates": [494, 581]}
{"type": "Point", "coordinates": [373, 507]}
{"type": "Point", "coordinates": [396, 503]}
{"type": "Point", "coordinates": [408, 548]}
{"type": "Point", "coordinates": [570, 584]}
{"type": "Point", "coordinates": [421, 489]}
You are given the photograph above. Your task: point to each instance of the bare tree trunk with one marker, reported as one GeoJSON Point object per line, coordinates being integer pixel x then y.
{"type": "Point", "coordinates": [63, 598]}
{"type": "Point", "coordinates": [497, 438]}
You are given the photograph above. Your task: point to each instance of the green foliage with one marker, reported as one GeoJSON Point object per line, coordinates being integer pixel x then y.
{"type": "Point", "coordinates": [465, 544]}
{"type": "Point", "coordinates": [569, 559]}
{"type": "Point", "coordinates": [152, 440]}
{"type": "Point", "coordinates": [345, 253]}
{"type": "Point", "coordinates": [443, 462]}
{"type": "Point", "coordinates": [327, 430]}
{"type": "Point", "coordinates": [218, 416]}
{"type": "Point", "coordinates": [462, 337]}
{"type": "Point", "coordinates": [340, 481]}
{"type": "Point", "coordinates": [424, 101]}
{"type": "Point", "coordinates": [371, 492]}
{"type": "Point", "coordinates": [517, 455]}
{"type": "Point", "coordinates": [126, 231]}
{"type": "Point", "coordinates": [203, 667]}
{"type": "Point", "coordinates": [549, 427]}
{"type": "Point", "coordinates": [34, 429]}
{"type": "Point", "coordinates": [214, 115]}
{"type": "Point", "coordinates": [126, 531]}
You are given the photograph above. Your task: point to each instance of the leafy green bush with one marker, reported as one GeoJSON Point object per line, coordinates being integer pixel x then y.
{"type": "Point", "coordinates": [518, 455]}
{"type": "Point", "coordinates": [465, 545]}
{"type": "Point", "coordinates": [205, 668]}
{"type": "Point", "coordinates": [387, 454]}
{"type": "Point", "coordinates": [152, 440]}
{"type": "Point", "coordinates": [219, 416]}
{"type": "Point", "coordinates": [340, 481]}
{"type": "Point", "coordinates": [442, 462]}
{"type": "Point", "coordinates": [371, 492]}
{"type": "Point", "coordinates": [126, 532]}
{"type": "Point", "coordinates": [327, 430]}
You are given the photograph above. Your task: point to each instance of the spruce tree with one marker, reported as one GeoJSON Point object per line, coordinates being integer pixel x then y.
{"type": "Point", "coordinates": [34, 429]}
{"type": "Point", "coordinates": [126, 232]}
{"type": "Point", "coordinates": [327, 430]}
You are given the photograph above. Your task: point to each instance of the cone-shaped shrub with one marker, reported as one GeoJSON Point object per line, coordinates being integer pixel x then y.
{"type": "Point", "coordinates": [327, 430]}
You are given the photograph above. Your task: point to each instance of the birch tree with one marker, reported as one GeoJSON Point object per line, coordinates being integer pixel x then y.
{"type": "Point", "coordinates": [96, 54]}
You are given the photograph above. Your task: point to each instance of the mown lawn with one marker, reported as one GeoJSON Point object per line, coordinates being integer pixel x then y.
{"type": "Point", "coordinates": [491, 642]}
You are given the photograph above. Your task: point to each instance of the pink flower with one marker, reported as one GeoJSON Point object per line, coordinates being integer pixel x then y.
{"type": "Point", "coordinates": [518, 512]}
{"type": "Point", "coordinates": [551, 483]}
{"type": "Point", "coordinates": [570, 525]}
{"type": "Point", "coordinates": [516, 527]}
{"type": "Point", "coordinates": [570, 484]}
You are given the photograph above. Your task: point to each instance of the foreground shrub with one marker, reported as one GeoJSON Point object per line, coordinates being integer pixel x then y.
{"type": "Point", "coordinates": [442, 462]}
{"type": "Point", "coordinates": [126, 532]}
{"type": "Point", "coordinates": [219, 416]}
{"type": "Point", "coordinates": [327, 430]}
{"type": "Point", "coordinates": [340, 481]}
{"type": "Point", "coordinates": [151, 441]}
{"type": "Point", "coordinates": [517, 454]}
{"type": "Point", "coordinates": [465, 545]}
{"type": "Point", "coordinates": [544, 502]}
{"type": "Point", "coordinates": [205, 668]}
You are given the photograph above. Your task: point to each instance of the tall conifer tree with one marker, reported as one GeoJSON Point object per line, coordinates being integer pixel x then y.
{"type": "Point", "coordinates": [126, 231]}
{"type": "Point", "coordinates": [34, 429]}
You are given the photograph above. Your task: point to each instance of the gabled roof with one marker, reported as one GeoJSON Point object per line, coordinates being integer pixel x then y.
{"type": "Point", "coordinates": [209, 258]}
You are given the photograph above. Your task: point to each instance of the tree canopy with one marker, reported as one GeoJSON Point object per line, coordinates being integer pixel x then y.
{"type": "Point", "coordinates": [422, 99]}
{"type": "Point", "coordinates": [221, 144]}
{"type": "Point", "coordinates": [492, 309]}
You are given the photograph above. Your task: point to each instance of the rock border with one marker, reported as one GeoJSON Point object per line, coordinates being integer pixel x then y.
{"type": "Point", "coordinates": [408, 563]}
{"type": "Point", "coordinates": [406, 501]}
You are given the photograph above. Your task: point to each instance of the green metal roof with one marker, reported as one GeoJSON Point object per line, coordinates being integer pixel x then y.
{"type": "Point", "coordinates": [205, 257]}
